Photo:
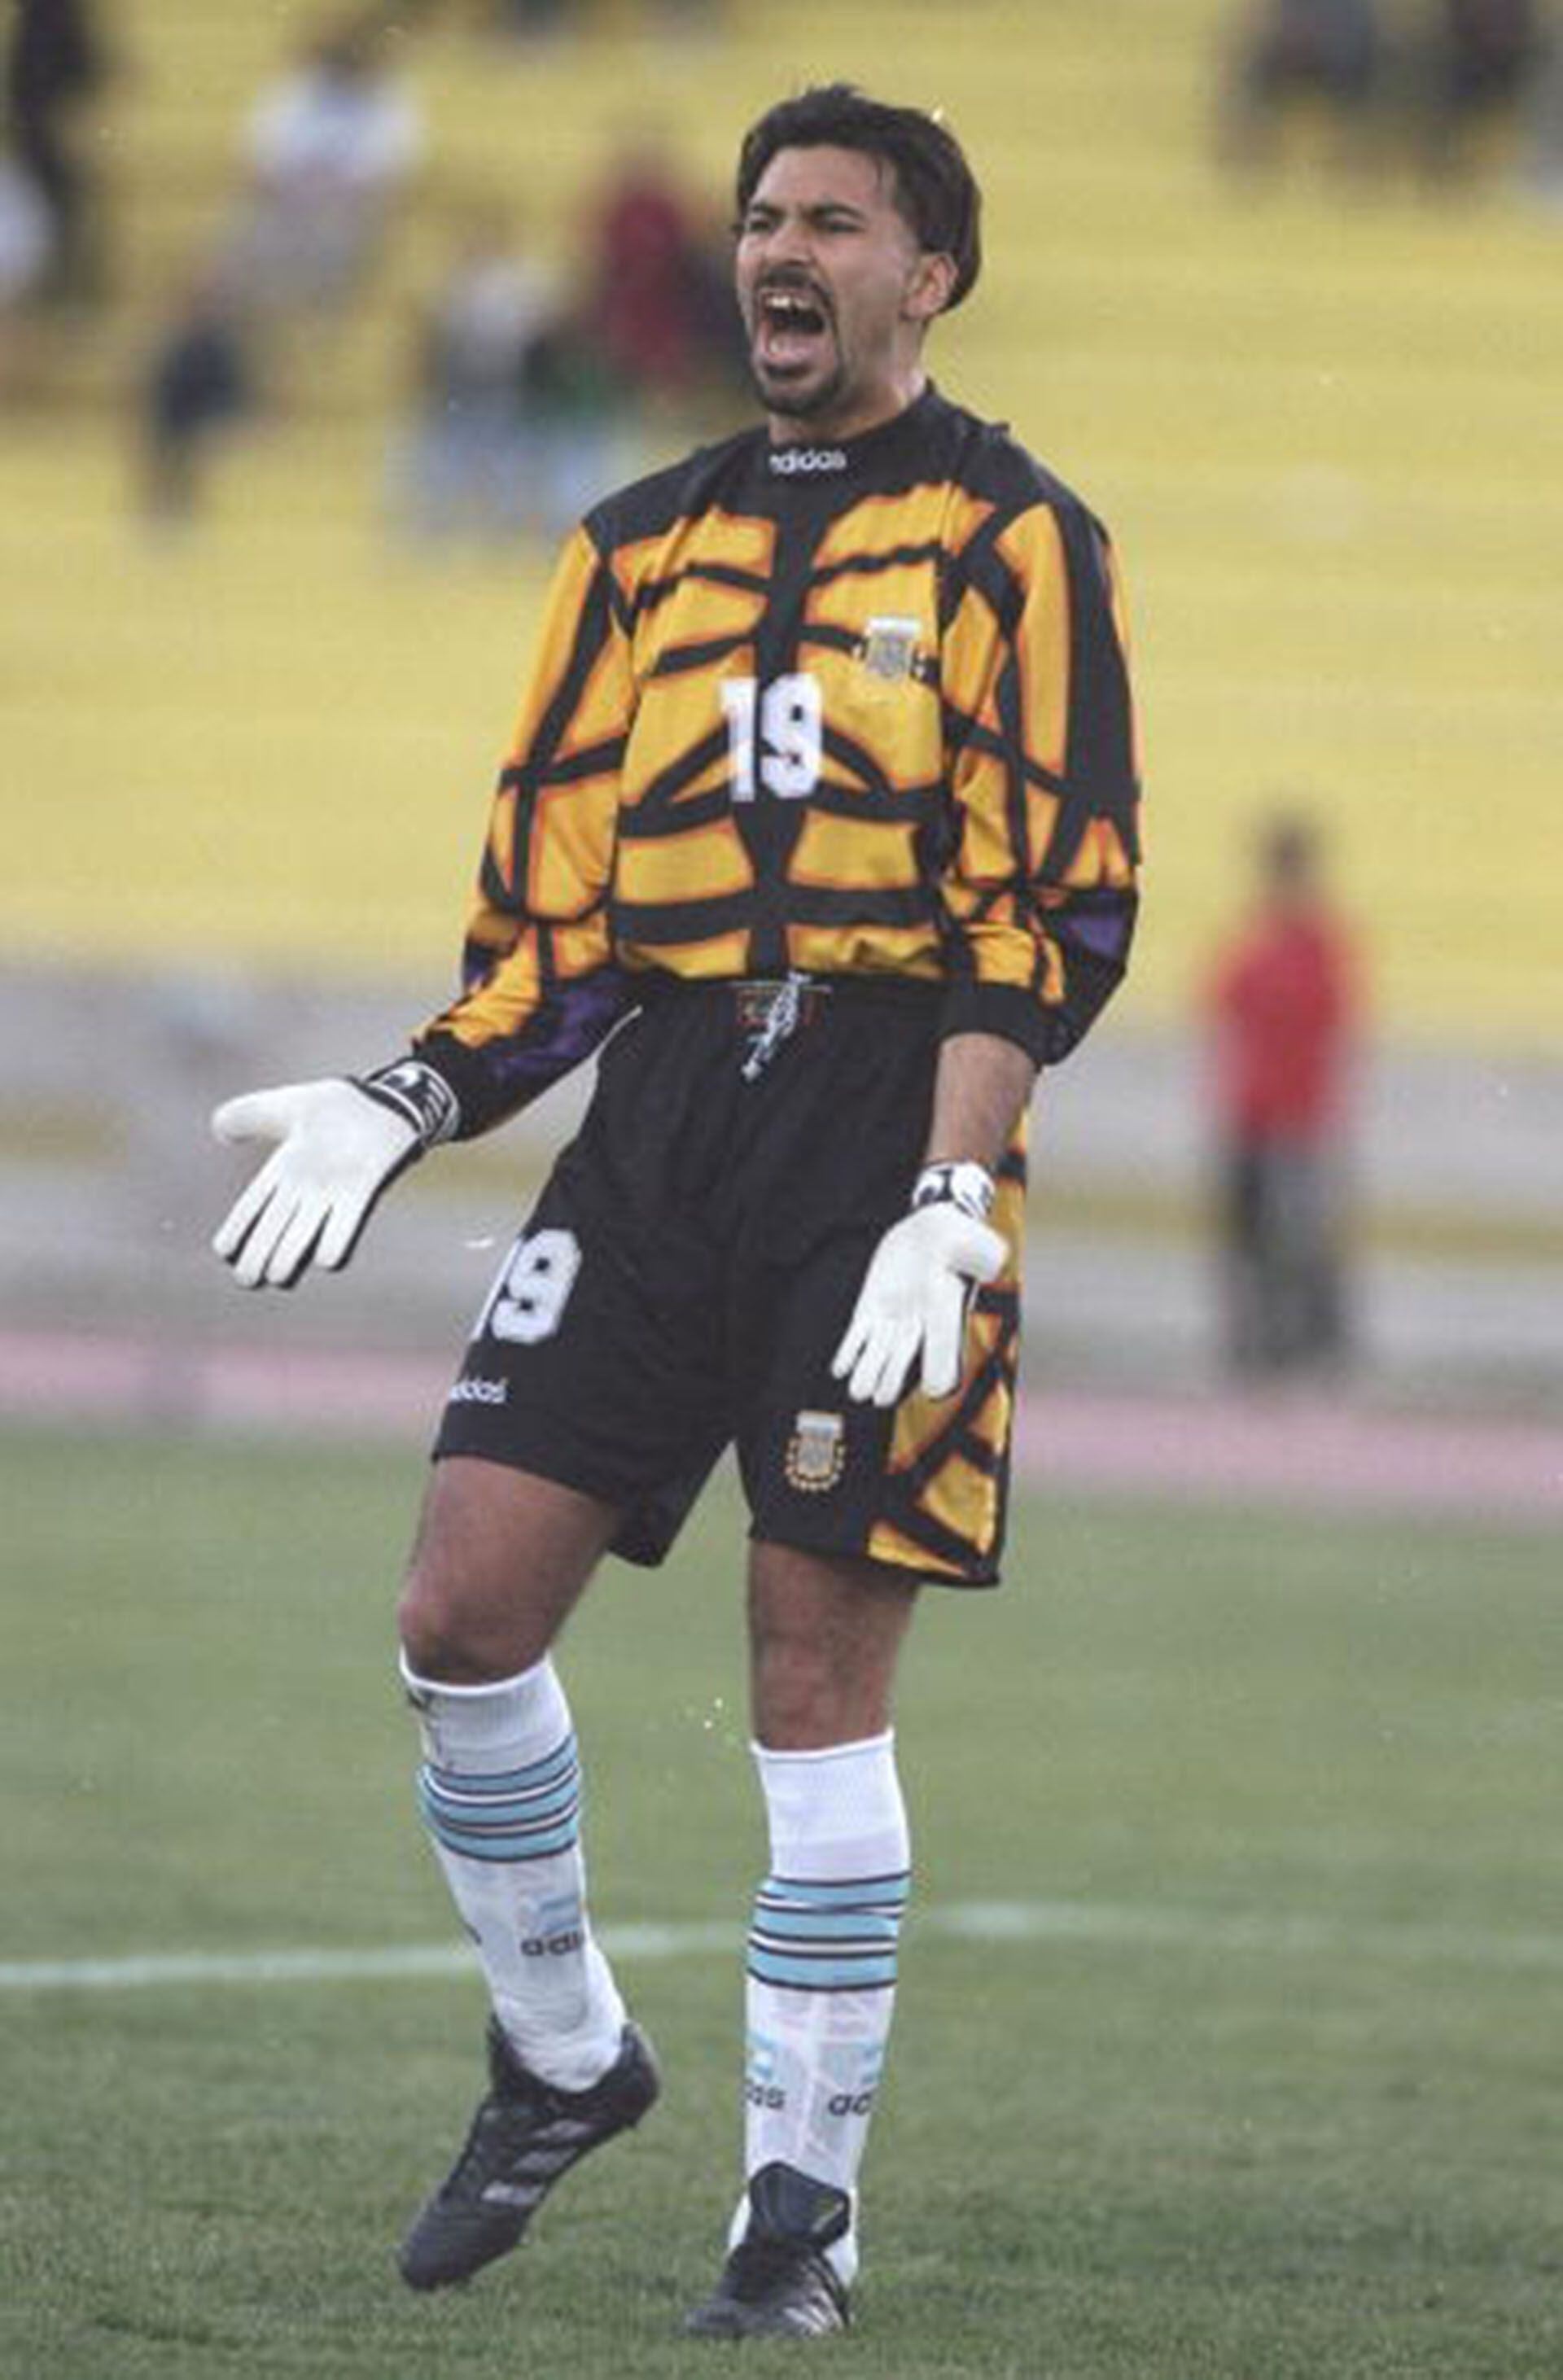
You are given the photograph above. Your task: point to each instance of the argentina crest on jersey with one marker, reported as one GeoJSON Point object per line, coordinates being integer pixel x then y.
{"type": "Point", "coordinates": [887, 648]}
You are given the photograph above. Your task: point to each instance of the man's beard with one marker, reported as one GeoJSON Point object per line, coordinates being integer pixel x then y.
{"type": "Point", "coordinates": [803, 405]}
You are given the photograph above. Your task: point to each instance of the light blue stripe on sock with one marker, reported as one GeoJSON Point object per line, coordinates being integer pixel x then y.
{"type": "Point", "coordinates": [822, 1975]}
{"type": "Point", "coordinates": [811, 1925]}
{"type": "Point", "coordinates": [501, 1809]}
{"type": "Point", "coordinates": [856, 1892]}
{"type": "Point", "coordinates": [828, 1937]}
{"type": "Point", "coordinates": [536, 1776]}
{"type": "Point", "coordinates": [517, 1814]}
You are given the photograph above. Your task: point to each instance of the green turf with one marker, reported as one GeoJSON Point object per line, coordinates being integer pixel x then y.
{"type": "Point", "coordinates": [1281, 2098]}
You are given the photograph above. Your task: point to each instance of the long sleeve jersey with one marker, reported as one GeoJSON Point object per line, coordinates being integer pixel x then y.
{"type": "Point", "coordinates": [848, 711]}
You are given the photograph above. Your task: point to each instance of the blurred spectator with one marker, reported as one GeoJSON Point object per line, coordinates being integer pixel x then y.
{"type": "Point", "coordinates": [520, 423]}
{"type": "Point", "coordinates": [719, 335]}
{"type": "Point", "coordinates": [331, 147]}
{"type": "Point", "coordinates": [532, 19]}
{"type": "Point", "coordinates": [26, 236]}
{"type": "Point", "coordinates": [54, 61]}
{"type": "Point", "coordinates": [197, 382]}
{"type": "Point", "coordinates": [463, 468]}
{"type": "Point", "coordinates": [1472, 63]}
{"type": "Point", "coordinates": [660, 282]}
{"type": "Point", "coordinates": [1284, 53]}
{"type": "Point", "coordinates": [1283, 1010]}
{"type": "Point", "coordinates": [581, 440]}
{"type": "Point", "coordinates": [1541, 164]}
{"type": "Point", "coordinates": [544, 20]}
{"type": "Point", "coordinates": [642, 242]}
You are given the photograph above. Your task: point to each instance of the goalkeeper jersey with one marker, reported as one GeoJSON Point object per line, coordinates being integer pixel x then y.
{"type": "Point", "coordinates": [854, 709]}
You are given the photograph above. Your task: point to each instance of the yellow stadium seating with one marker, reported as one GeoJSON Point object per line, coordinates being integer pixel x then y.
{"type": "Point", "coordinates": [1325, 422]}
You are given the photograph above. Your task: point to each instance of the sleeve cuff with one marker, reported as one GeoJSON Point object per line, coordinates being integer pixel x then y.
{"type": "Point", "coordinates": [465, 1077]}
{"type": "Point", "coordinates": [1003, 1010]}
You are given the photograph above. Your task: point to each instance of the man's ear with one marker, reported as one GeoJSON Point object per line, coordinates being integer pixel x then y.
{"type": "Point", "coordinates": [928, 292]}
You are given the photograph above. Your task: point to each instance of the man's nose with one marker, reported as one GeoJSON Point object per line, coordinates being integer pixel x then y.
{"type": "Point", "coordinates": [788, 241]}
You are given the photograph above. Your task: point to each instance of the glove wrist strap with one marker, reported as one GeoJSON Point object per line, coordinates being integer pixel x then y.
{"type": "Point", "coordinates": [960, 1183]}
{"type": "Point", "coordinates": [416, 1093]}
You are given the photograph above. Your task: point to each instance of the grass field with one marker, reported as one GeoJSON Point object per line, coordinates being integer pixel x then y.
{"type": "Point", "coordinates": [1258, 2078]}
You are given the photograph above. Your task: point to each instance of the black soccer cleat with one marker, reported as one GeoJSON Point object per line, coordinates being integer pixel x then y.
{"type": "Point", "coordinates": [778, 2282]}
{"type": "Point", "coordinates": [524, 2136]}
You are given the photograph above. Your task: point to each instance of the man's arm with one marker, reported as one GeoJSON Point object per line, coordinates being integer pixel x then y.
{"type": "Point", "coordinates": [541, 987]}
{"type": "Point", "coordinates": [1040, 891]}
{"type": "Point", "coordinates": [1040, 897]}
{"type": "Point", "coordinates": [981, 1090]}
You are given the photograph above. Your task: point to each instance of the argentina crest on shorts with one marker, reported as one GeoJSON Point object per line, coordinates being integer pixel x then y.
{"type": "Point", "coordinates": [816, 1452]}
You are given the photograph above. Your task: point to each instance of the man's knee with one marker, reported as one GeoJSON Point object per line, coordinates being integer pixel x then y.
{"type": "Point", "coordinates": [499, 1561]}
{"type": "Point", "coordinates": [439, 1632]}
{"type": "Point", "coordinates": [824, 1636]}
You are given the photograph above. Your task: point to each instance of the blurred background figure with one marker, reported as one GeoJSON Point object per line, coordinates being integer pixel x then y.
{"type": "Point", "coordinates": [331, 147]}
{"type": "Point", "coordinates": [1284, 56]}
{"type": "Point", "coordinates": [547, 19]}
{"type": "Point", "coordinates": [582, 432]}
{"type": "Point", "coordinates": [26, 241]}
{"type": "Point", "coordinates": [1540, 158]}
{"type": "Point", "coordinates": [55, 63]}
{"type": "Point", "coordinates": [1284, 1017]}
{"type": "Point", "coordinates": [522, 417]}
{"type": "Point", "coordinates": [198, 381]}
{"type": "Point", "coordinates": [462, 469]}
{"type": "Point", "coordinates": [532, 19]}
{"type": "Point", "coordinates": [1472, 65]}
{"type": "Point", "coordinates": [649, 277]}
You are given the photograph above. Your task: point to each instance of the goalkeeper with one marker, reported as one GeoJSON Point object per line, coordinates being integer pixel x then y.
{"type": "Point", "coordinates": [820, 825]}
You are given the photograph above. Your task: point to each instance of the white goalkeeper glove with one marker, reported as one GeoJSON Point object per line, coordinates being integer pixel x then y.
{"type": "Point", "coordinates": [915, 1296]}
{"type": "Point", "coordinates": [341, 1142]}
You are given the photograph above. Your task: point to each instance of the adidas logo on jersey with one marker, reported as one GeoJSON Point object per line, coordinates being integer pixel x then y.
{"type": "Point", "coordinates": [787, 460]}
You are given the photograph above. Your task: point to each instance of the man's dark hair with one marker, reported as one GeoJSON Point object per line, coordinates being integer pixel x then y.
{"type": "Point", "coordinates": [935, 187]}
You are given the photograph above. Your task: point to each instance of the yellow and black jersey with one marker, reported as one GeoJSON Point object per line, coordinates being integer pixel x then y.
{"type": "Point", "coordinates": [855, 709]}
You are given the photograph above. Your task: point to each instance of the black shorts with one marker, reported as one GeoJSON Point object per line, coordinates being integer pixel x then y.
{"type": "Point", "coordinates": [688, 1270]}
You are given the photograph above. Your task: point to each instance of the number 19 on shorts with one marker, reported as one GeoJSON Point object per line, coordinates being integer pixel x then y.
{"type": "Point", "coordinates": [528, 1301]}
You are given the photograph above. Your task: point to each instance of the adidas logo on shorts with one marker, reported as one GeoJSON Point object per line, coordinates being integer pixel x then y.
{"type": "Point", "coordinates": [480, 1393]}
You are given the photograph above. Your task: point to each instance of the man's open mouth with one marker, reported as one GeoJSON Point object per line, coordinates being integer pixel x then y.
{"type": "Point", "coordinates": [788, 326]}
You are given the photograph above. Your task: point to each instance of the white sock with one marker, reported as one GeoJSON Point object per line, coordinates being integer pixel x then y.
{"type": "Point", "coordinates": [822, 1963]}
{"type": "Point", "coordinates": [500, 1794]}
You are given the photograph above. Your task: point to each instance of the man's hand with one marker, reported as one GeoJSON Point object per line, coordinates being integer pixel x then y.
{"type": "Point", "coordinates": [913, 1302]}
{"type": "Point", "coordinates": [340, 1143]}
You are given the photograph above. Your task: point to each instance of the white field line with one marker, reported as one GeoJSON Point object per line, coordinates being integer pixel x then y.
{"type": "Point", "coordinates": [1000, 1922]}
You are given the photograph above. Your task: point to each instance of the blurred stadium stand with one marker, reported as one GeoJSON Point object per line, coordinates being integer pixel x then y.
{"type": "Point", "coordinates": [247, 769]}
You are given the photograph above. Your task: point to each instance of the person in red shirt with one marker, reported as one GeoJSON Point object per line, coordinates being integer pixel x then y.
{"type": "Point", "coordinates": [1284, 1012]}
